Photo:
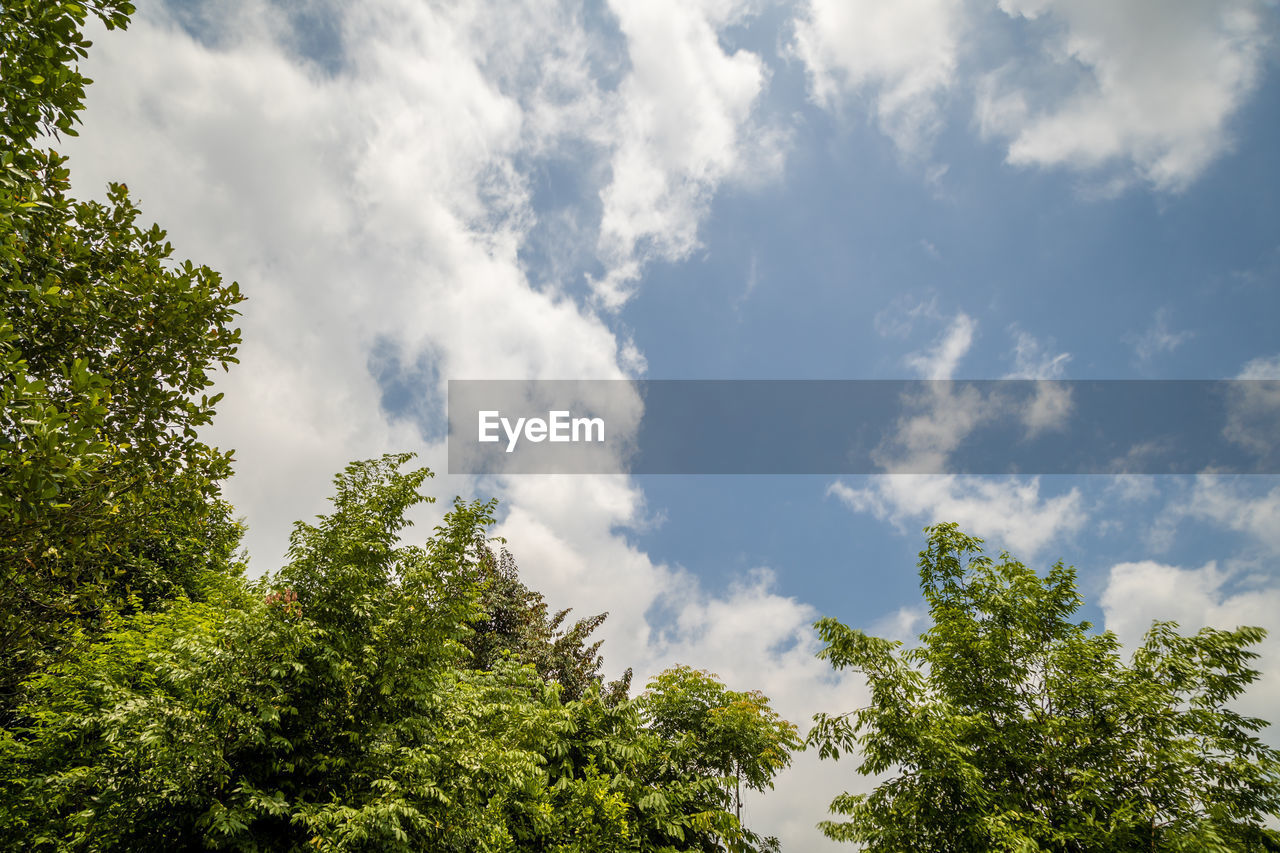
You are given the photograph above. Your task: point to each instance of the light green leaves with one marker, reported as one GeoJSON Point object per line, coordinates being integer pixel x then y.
{"type": "Point", "coordinates": [1011, 727]}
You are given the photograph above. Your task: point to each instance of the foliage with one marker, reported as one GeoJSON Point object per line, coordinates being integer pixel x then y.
{"type": "Point", "coordinates": [713, 730]}
{"type": "Point", "coordinates": [515, 622]}
{"type": "Point", "coordinates": [1013, 728]}
{"type": "Point", "coordinates": [107, 497]}
{"type": "Point", "coordinates": [333, 707]}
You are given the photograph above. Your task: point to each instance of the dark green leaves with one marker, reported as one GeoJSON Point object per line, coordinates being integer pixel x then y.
{"type": "Point", "coordinates": [106, 349]}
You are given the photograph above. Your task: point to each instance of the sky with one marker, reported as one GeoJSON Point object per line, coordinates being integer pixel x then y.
{"type": "Point", "coordinates": [411, 192]}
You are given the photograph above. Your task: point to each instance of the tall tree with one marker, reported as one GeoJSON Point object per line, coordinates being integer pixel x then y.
{"type": "Point", "coordinates": [516, 622]}
{"type": "Point", "coordinates": [1012, 727]}
{"type": "Point", "coordinates": [108, 498]}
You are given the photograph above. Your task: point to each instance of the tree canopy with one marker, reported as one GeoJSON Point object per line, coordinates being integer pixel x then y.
{"type": "Point", "coordinates": [1012, 727]}
{"type": "Point", "coordinates": [335, 706]}
{"type": "Point", "coordinates": [107, 495]}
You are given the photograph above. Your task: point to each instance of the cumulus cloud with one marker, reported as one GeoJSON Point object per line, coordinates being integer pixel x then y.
{"type": "Point", "coordinates": [1138, 593]}
{"type": "Point", "coordinates": [388, 200]}
{"type": "Point", "coordinates": [684, 124]}
{"type": "Point", "coordinates": [1149, 85]}
{"type": "Point", "coordinates": [902, 56]}
{"type": "Point", "coordinates": [1139, 91]}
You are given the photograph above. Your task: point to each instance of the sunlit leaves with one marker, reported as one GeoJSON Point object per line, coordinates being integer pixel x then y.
{"type": "Point", "coordinates": [335, 706]}
{"type": "Point", "coordinates": [1012, 727]}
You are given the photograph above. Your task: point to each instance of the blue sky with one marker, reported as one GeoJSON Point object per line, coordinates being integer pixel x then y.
{"type": "Point", "coordinates": [412, 192]}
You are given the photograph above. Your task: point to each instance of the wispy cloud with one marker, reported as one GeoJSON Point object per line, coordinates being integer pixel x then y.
{"type": "Point", "coordinates": [941, 360]}
{"type": "Point", "coordinates": [1159, 339]}
{"type": "Point", "coordinates": [1035, 359]}
{"type": "Point", "coordinates": [1230, 503]}
{"type": "Point", "coordinates": [899, 317]}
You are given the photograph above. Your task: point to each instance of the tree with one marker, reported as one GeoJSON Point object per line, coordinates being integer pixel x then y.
{"type": "Point", "coordinates": [714, 730]}
{"type": "Point", "coordinates": [1012, 727]}
{"type": "Point", "coordinates": [515, 622]}
{"type": "Point", "coordinates": [108, 499]}
{"type": "Point", "coordinates": [334, 706]}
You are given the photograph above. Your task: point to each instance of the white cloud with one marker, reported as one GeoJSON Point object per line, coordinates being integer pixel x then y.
{"type": "Point", "coordinates": [1261, 368]}
{"type": "Point", "coordinates": [1153, 85]}
{"type": "Point", "coordinates": [1138, 593]}
{"type": "Point", "coordinates": [684, 124]}
{"type": "Point", "coordinates": [1233, 504]}
{"type": "Point", "coordinates": [382, 201]}
{"type": "Point", "coordinates": [903, 55]}
{"type": "Point", "coordinates": [1142, 90]}
{"type": "Point", "coordinates": [940, 360]}
{"type": "Point", "coordinates": [1033, 359]}
{"type": "Point", "coordinates": [1010, 512]}
{"type": "Point", "coordinates": [1132, 488]}
{"type": "Point", "coordinates": [937, 418]}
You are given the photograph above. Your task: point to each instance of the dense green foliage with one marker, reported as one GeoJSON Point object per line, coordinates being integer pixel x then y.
{"type": "Point", "coordinates": [516, 622]}
{"type": "Point", "coordinates": [334, 706]}
{"type": "Point", "coordinates": [718, 731]}
{"type": "Point", "coordinates": [1011, 727]}
{"type": "Point", "coordinates": [108, 499]}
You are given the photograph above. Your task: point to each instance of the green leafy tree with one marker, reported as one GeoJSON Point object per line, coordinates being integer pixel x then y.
{"type": "Point", "coordinates": [1012, 727]}
{"type": "Point", "coordinates": [717, 731]}
{"type": "Point", "coordinates": [108, 499]}
{"type": "Point", "coordinates": [334, 706]}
